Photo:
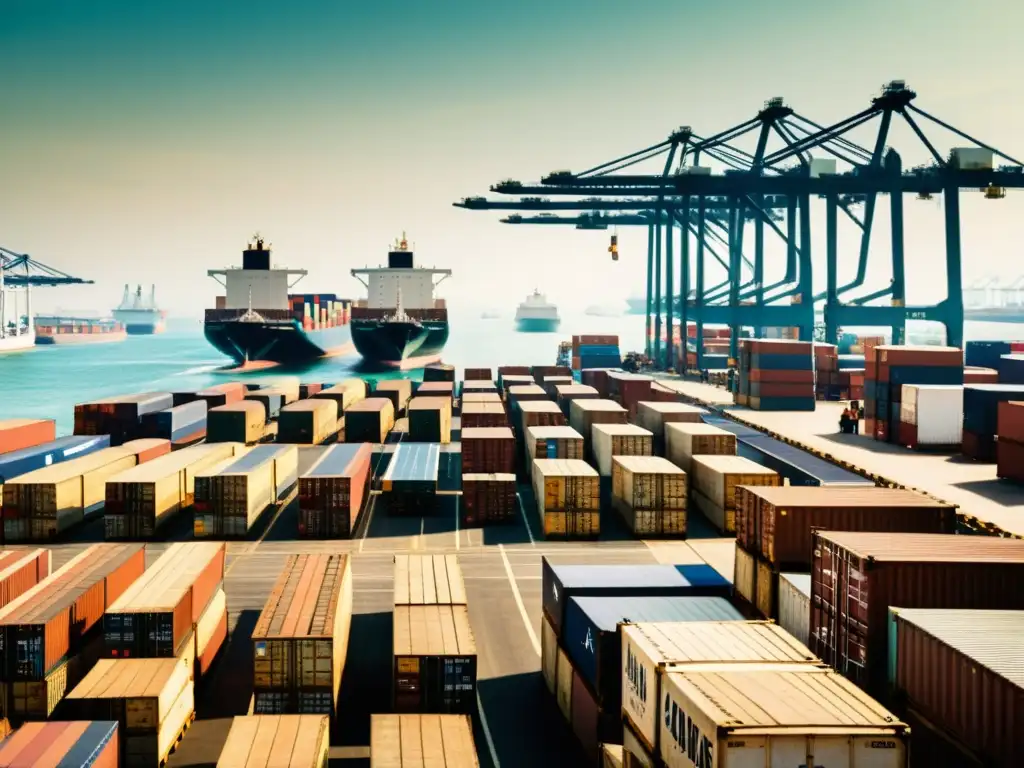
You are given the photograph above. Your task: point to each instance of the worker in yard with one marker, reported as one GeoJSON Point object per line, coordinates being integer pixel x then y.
{"type": "Point", "coordinates": [845, 422]}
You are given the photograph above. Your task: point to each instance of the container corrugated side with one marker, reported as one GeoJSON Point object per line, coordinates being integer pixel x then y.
{"type": "Point", "coordinates": [488, 450]}
{"type": "Point", "coordinates": [332, 492]}
{"type": "Point", "coordinates": [568, 497]}
{"type": "Point", "coordinates": [307, 422]}
{"type": "Point", "coordinates": [650, 494]}
{"type": "Point", "coordinates": [16, 434]}
{"type": "Point", "coordinates": [649, 649]}
{"type": "Point", "coordinates": [611, 440]}
{"type": "Point", "coordinates": [936, 410]}
{"type": "Point", "coordinates": [428, 580]}
{"type": "Point", "coordinates": [435, 660]}
{"type": "Point", "coordinates": [239, 422]}
{"type": "Point", "coordinates": [871, 571]}
{"type": "Point", "coordinates": [488, 497]}
{"type": "Point", "coordinates": [684, 440]}
{"type": "Point", "coordinates": [798, 714]}
{"type": "Point", "coordinates": [795, 605]}
{"type": "Point", "coordinates": [26, 460]}
{"type": "Point", "coordinates": [78, 744]}
{"type": "Point", "coordinates": [714, 480]}
{"type": "Point", "coordinates": [403, 740]}
{"type": "Point", "coordinates": [290, 741]}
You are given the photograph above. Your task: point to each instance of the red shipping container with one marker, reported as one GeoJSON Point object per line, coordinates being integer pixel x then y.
{"type": "Point", "coordinates": [1010, 420]}
{"type": "Point", "coordinates": [64, 744]}
{"type": "Point", "coordinates": [596, 378]}
{"type": "Point", "coordinates": [922, 355]}
{"type": "Point", "coordinates": [20, 570]}
{"type": "Point", "coordinates": [483, 415]}
{"type": "Point", "coordinates": [488, 450]}
{"type": "Point", "coordinates": [1010, 460]}
{"type": "Point", "coordinates": [16, 434]}
{"type": "Point", "coordinates": [973, 375]}
{"type": "Point", "coordinates": [856, 576]}
{"type": "Point", "coordinates": [329, 504]}
{"type": "Point", "coordinates": [148, 448]}
{"type": "Point", "coordinates": [488, 498]}
{"type": "Point", "coordinates": [477, 374]}
{"type": "Point", "coordinates": [771, 389]}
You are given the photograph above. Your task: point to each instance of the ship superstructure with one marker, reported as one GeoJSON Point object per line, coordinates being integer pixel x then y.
{"type": "Point", "coordinates": [140, 315]}
{"type": "Point", "coordinates": [537, 315]}
{"type": "Point", "coordinates": [400, 319]}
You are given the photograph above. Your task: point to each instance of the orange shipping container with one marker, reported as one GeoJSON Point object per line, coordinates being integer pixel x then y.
{"type": "Point", "coordinates": [16, 434]}
{"type": "Point", "coordinates": [20, 570]}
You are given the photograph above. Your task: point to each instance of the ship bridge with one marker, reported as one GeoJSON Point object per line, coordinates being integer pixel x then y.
{"type": "Point", "coordinates": [257, 283]}
{"type": "Point", "coordinates": [401, 276]}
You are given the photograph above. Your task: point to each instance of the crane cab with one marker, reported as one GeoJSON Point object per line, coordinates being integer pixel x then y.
{"type": "Point", "coordinates": [613, 249]}
{"type": "Point", "coordinates": [992, 192]}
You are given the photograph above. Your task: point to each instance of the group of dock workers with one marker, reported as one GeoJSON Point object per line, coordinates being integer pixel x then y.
{"type": "Point", "coordinates": [849, 419]}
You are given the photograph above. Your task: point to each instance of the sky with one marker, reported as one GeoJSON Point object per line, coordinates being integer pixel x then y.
{"type": "Point", "coordinates": [146, 142]}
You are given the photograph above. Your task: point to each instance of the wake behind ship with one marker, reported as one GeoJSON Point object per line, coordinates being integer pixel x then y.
{"type": "Point", "coordinates": [258, 320]}
{"type": "Point", "coordinates": [400, 319]}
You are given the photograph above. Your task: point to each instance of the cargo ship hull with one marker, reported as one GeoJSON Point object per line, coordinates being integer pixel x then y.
{"type": "Point", "coordinates": [382, 341]}
{"type": "Point", "coordinates": [284, 342]}
{"type": "Point", "coordinates": [74, 339]}
{"type": "Point", "coordinates": [145, 329]}
{"type": "Point", "coordinates": [537, 325]}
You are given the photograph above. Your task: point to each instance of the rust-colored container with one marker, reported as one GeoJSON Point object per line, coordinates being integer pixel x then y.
{"type": "Point", "coordinates": [79, 744]}
{"type": "Point", "coordinates": [974, 375]}
{"type": "Point", "coordinates": [596, 378]}
{"type": "Point", "coordinates": [856, 577]}
{"type": "Point", "coordinates": [369, 420]}
{"type": "Point", "coordinates": [539, 413]}
{"type": "Point", "coordinates": [921, 355]}
{"type": "Point", "coordinates": [1010, 421]}
{"type": "Point", "coordinates": [487, 450]}
{"type": "Point", "coordinates": [961, 670]}
{"type": "Point", "coordinates": [488, 498]}
{"type": "Point", "coordinates": [480, 397]}
{"type": "Point", "coordinates": [477, 374]}
{"type": "Point", "coordinates": [156, 615]}
{"type": "Point", "coordinates": [778, 523]}
{"type": "Point", "coordinates": [20, 571]}
{"type": "Point", "coordinates": [541, 372]}
{"type": "Point", "coordinates": [629, 389]}
{"type": "Point", "coordinates": [332, 492]}
{"type": "Point", "coordinates": [1010, 460]}
{"type": "Point", "coordinates": [49, 624]}
{"type": "Point", "coordinates": [566, 393]}
{"type": "Point", "coordinates": [222, 394]}
{"type": "Point", "coordinates": [592, 725]}
{"type": "Point", "coordinates": [16, 434]}
{"type": "Point", "coordinates": [483, 415]}
{"type": "Point", "coordinates": [308, 390]}
{"type": "Point", "coordinates": [301, 637]}
{"type": "Point", "coordinates": [513, 370]}
{"type": "Point", "coordinates": [398, 391]}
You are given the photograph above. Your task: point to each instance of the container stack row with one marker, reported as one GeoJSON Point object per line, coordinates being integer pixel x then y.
{"type": "Point", "coordinates": [981, 417]}
{"type": "Point", "coordinates": [595, 351]}
{"type": "Point", "coordinates": [776, 375]}
{"type": "Point", "coordinates": [1010, 448]}
{"type": "Point", "coordinates": [333, 492]}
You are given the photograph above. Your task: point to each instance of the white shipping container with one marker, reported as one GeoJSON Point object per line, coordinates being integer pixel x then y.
{"type": "Point", "coordinates": [652, 649]}
{"type": "Point", "coordinates": [973, 158]}
{"type": "Point", "coordinates": [776, 719]}
{"type": "Point", "coordinates": [619, 440]}
{"type": "Point", "coordinates": [937, 410]}
{"type": "Point", "coordinates": [795, 605]}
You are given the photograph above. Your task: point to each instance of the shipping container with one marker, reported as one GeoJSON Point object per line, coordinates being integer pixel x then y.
{"type": "Point", "coordinates": [152, 701]}
{"type": "Point", "coordinates": [422, 741]}
{"type": "Point", "coordinates": [584, 414]}
{"type": "Point", "coordinates": [629, 389]}
{"type": "Point", "coordinates": [857, 576]}
{"type": "Point", "coordinates": [591, 632]}
{"type": "Point", "coordinates": [439, 372]}
{"type": "Point", "coordinates": [561, 582]}
{"type": "Point", "coordinates": [243, 421]}
{"type": "Point", "coordinates": [288, 386]}
{"type": "Point", "coordinates": [20, 462]}
{"type": "Point", "coordinates": [221, 394]}
{"type": "Point", "coordinates": [591, 724]}
{"type": "Point", "coordinates": [488, 449]}
{"type": "Point", "coordinates": [648, 650]}
{"type": "Point", "coordinates": [141, 499]}
{"type": "Point", "coordinates": [272, 400]}
{"type": "Point", "coordinates": [795, 605]}
{"type": "Point", "coordinates": [345, 393]}
{"type": "Point", "coordinates": [157, 613]}
{"type": "Point", "coordinates": [798, 718]}
{"type": "Point", "coordinates": [435, 660]}
{"type": "Point", "coordinates": [714, 480]}
{"type": "Point", "coordinates": [20, 571]}
{"type": "Point", "coordinates": [369, 420]}
{"type": "Point", "coordinates": [525, 393]}
{"type": "Point", "coordinates": [650, 494]}
{"type": "Point", "coordinates": [537, 413]}
{"type": "Point", "coordinates": [488, 498]}
{"type": "Point", "coordinates": [609, 440]}
{"type": "Point", "coordinates": [301, 637]}
{"type": "Point", "coordinates": [552, 443]}
{"type": "Point", "coordinates": [684, 440]}
{"type": "Point", "coordinates": [428, 580]}
{"type": "Point", "coordinates": [398, 391]}
{"type": "Point", "coordinates": [119, 416]}
{"type": "Point", "coordinates": [332, 492]}
{"type": "Point", "coordinates": [308, 422]}
{"type": "Point", "coordinates": [490, 398]}
{"type": "Point", "coordinates": [477, 374]}
{"type": "Point", "coordinates": [430, 419]}
{"type": "Point", "coordinates": [436, 389]}
{"type": "Point", "coordinates": [17, 434]}
{"type": "Point", "coordinates": [78, 744]}
{"type": "Point", "coordinates": [229, 499]}
{"type": "Point", "coordinates": [483, 415]}
{"type": "Point", "coordinates": [778, 523]}
{"type": "Point", "coordinates": [568, 497]}
{"type": "Point", "coordinates": [508, 379]}
{"type": "Point", "coordinates": [611, 756]}
{"type": "Point", "coordinates": [655, 415]}
{"type": "Point", "coordinates": [566, 393]}
{"type": "Point", "coordinates": [182, 425]}
{"type": "Point", "coordinates": [981, 405]}
{"type": "Point", "coordinates": [478, 386]}
{"type": "Point", "coordinates": [962, 670]}
{"type": "Point", "coordinates": [281, 741]}
{"type": "Point", "coordinates": [931, 415]}
{"type": "Point", "coordinates": [306, 391]}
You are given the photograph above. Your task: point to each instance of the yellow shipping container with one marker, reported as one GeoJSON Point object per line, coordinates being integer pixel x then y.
{"type": "Point", "coordinates": [308, 422]}
{"type": "Point", "coordinates": [422, 741]}
{"type": "Point", "coordinates": [568, 497]}
{"type": "Point", "coordinates": [714, 480]}
{"type": "Point", "coordinates": [619, 440]}
{"type": "Point", "coordinates": [684, 440]}
{"type": "Point", "coordinates": [650, 494]}
{"type": "Point", "coordinates": [281, 741]}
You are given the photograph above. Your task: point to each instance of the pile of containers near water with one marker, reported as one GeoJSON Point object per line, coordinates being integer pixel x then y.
{"type": "Point", "coordinates": [776, 375]}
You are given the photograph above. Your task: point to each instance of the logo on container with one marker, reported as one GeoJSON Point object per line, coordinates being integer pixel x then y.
{"type": "Point", "coordinates": [588, 641]}
{"type": "Point", "coordinates": [554, 592]}
{"type": "Point", "coordinates": [687, 735]}
{"type": "Point", "coordinates": [636, 675]}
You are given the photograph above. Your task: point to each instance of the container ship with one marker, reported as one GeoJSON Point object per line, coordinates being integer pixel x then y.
{"type": "Point", "coordinates": [536, 315]}
{"type": "Point", "coordinates": [140, 316]}
{"type": "Point", "coordinates": [257, 319]}
{"type": "Point", "coordinates": [400, 320]}
{"type": "Point", "coordinates": [63, 330]}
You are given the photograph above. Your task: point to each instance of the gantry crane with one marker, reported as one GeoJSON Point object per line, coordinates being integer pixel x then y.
{"type": "Point", "coordinates": [19, 270]}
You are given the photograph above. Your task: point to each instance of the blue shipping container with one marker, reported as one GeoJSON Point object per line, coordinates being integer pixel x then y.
{"type": "Point", "coordinates": [784, 403]}
{"type": "Point", "coordinates": [794, 464]}
{"type": "Point", "coordinates": [38, 456]}
{"type": "Point", "coordinates": [715, 362]}
{"type": "Point", "coordinates": [851, 362]}
{"type": "Point", "coordinates": [560, 582]}
{"type": "Point", "coordinates": [777, 362]}
{"type": "Point", "coordinates": [586, 350]}
{"type": "Point", "coordinates": [591, 636]}
{"type": "Point", "coordinates": [181, 423]}
{"type": "Point", "coordinates": [1011, 369]}
{"type": "Point", "coordinates": [985, 354]}
{"type": "Point", "coordinates": [981, 405]}
{"type": "Point", "coordinates": [922, 374]}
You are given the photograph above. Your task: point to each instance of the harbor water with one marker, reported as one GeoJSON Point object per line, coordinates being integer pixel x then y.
{"type": "Point", "coordinates": [46, 382]}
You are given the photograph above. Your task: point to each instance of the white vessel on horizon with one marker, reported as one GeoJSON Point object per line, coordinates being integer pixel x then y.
{"type": "Point", "coordinates": [537, 315]}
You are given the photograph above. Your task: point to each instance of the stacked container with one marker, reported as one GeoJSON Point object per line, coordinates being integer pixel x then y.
{"type": "Point", "coordinates": [307, 390]}
{"type": "Point", "coordinates": [598, 379]}
{"type": "Point", "coordinates": [986, 354]}
{"type": "Point", "coordinates": [857, 576]}
{"type": "Point", "coordinates": [141, 499]}
{"type": "Point", "coordinates": [566, 393]}
{"type": "Point", "coordinates": [436, 388]}
{"type": "Point", "coordinates": [308, 422]}
{"type": "Point", "coordinates": [345, 393]}
{"type": "Point", "coordinates": [828, 384]}
{"type": "Point", "coordinates": [488, 497]}
{"type": "Point", "coordinates": [16, 434]}
{"type": "Point", "coordinates": [332, 492]}
{"type": "Point", "coordinates": [513, 376]}
{"type": "Point", "coordinates": [79, 744]}
{"type": "Point", "coordinates": [488, 449]}
{"type": "Point", "coordinates": [46, 636]}
{"type": "Point", "coordinates": [478, 386]}
{"type": "Point", "coordinates": [422, 740]}
{"type": "Point", "coordinates": [1011, 369]}
{"type": "Point", "coordinates": [119, 417]}
{"type": "Point", "coordinates": [301, 637]}
{"type": "Point", "coordinates": [289, 741]}
{"type": "Point", "coordinates": [183, 424]}
{"type": "Point", "coordinates": [62, 449]}
{"type": "Point", "coordinates": [684, 440]}
{"type": "Point", "coordinates": [551, 443]}
{"type": "Point", "coordinates": [398, 391]}
{"type": "Point", "coordinates": [1010, 448]}
{"type": "Point", "coordinates": [272, 400]}
{"type": "Point", "coordinates": [483, 415]}
{"type": "Point", "coordinates": [888, 368]}
{"type": "Point", "coordinates": [538, 413]}
{"type": "Point", "coordinates": [584, 414]}
{"type": "Point", "coordinates": [230, 498]}
{"type": "Point", "coordinates": [629, 390]}
{"type": "Point", "coordinates": [430, 419]}
{"type": "Point", "coordinates": [595, 351]}
{"type": "Point", "coordinates": [650, 494]}
{"type": "Point", "coordinates": [611, 440]}
{"type": "Point", "coordinates": [931, 416]}
{"type": "Point", "coordinates": [713, 483]}
{"type": "Point", "coordinates": [410, 481]}
{"type": "Point", "coordinates": [655, 415]}
{"type": "Point", "coordinates": [481, 397]}
{"type": "Point", "coordinates": [981, 414]}
{"type": "Point", "coordinates": [440, 372]}
{"type": "Point", "coordinates": [369, 420]}
{"type": "Point", "coordinates": [477, 374]}
{"type": "Point", "coordinates": [542, 372]}
{"type": "Point", "coordinates": [568, 498]}
{"type": "Point", "coordinates": [220, 394]}
{"type": "Point", "coordinates": [20, 570]}
{"type": "Point", "coordinates": [435, 656]}
{"type": "Point", "coordinates": [776, 375]}
{"type": "Point", "coordinates": [795, 605]}
{"type": "Point", "coordinates": [243, 421]}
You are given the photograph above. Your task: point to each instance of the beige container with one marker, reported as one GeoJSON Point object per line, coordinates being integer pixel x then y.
{"type": "Point", "coordinates": [684, 440]}
{"type": "Point", "coordinates": [522, 393]}
{"type": "Point", "coordinates": [740, 718]}
{"type": "Point", "coordinates": [563, 684]}
{"type": "Point", "coordinates": [223, 421]}
{"type": "Point", "coordinates": [428, 580]}
{"type": "Point", "coordinates": [533, 413]}
{"type": "Point", "coordinates": [552, 443]}
{"type": "Point", "coordinates": [568, 497]}
{"type": "Point", "coordinates": [584, 414]}
{"type": "Point", "coordinates": [288, 386]}
{"type": "Point", "coordinates": [382, 412]}
{"type": "Point", "coordinates": [435, 659]}
{"type": "Point", "coordinates": [308, 422]}
{"type": "Point", "coordinates": [206, 627]}
{"type": "Point", "coordinates": [344, 393]}
{"type": "Point", "coordinates": [402, 389]}
{"type": "Point", "coordinates": [478, 386]}
{"type": "Point", "coordinates": [548, 654]}
{"type": "Point", "coordinates": [420, 411]}
{"type": "Point", "coordinates": [610, 440]}
{"type": "Point", "coordinates": [655, 415]}
{"type": "Point", "coordinates": [611, 756]}
{"type": "Point", "coordinates": [229, 504]}
{"type": "Point", "coordinates": [650, 649]}
{"type": "Point", "coordinates": [281, 741]}
{"type": "Point", "coordinates": [795, 605]}
{"type": "Point", "coordinates": [650, 494]}
{"type": "Point", "coordinates": [422, 741]}
{"type": "Point", "coordinates": [481, 397]}
{"type": "Point", "coordinates": [745, 576]}
{"type": "Point", "coordinates": [716, 477]}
